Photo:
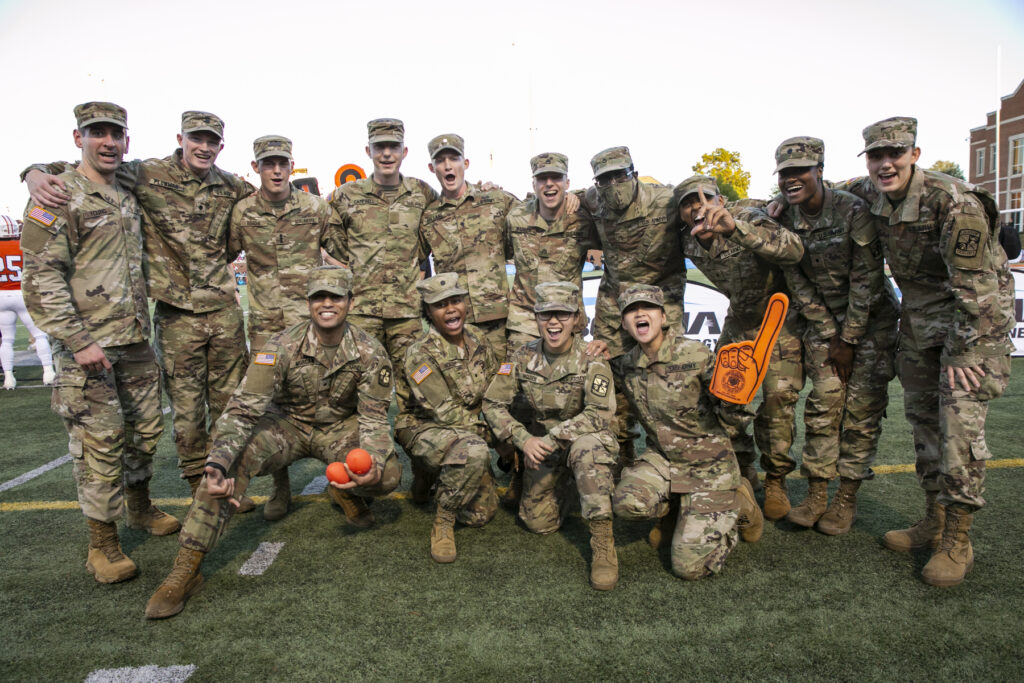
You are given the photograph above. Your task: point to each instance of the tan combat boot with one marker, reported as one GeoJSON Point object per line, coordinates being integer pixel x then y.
{"type": "Point", "coordinates": [442, 536]}
{"type": "Point", "coordinates": [842, 511]}
{"type": "Point", "coordinates": [751, 521]}
{"type": "Point", "coordinates": [814, 505]}
{"type": "Point", "coordinates": [277, 507]}
{"type": "Point", "coordinates": [183, 582]}
{"type": "Point", "coordinates": [926, 533]}
{"type": "Point", "coordinates": [356, 509]}
{"type": "Point", "coordinates": [604, 562]}
{"type": "Point", "coordinates": [954, 557]}
{"type": "Point", "coordinates": [422, 483]}
{"type": "Point", "coordinates": [776, 499]}
{"type": "Point", "coordinates": [106, 560]}
{"type": "Point", "coordinates": [749, 473]}
{"type": "Point", "coordinates": [660, 535]}
{"type": "Point", "coordinates": [142, 514]}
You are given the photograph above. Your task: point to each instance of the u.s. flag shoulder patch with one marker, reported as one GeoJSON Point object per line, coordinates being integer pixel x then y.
{"type": "Point", "coordinates": [422, 372]}
{"type": "Point", "coordinates": [505, 369]}
{"type": "Point", "coordinates": [265, 358]}
{"type": "Point", "coordinates": [41, 215]}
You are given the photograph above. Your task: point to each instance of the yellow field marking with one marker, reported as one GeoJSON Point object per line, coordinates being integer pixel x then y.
{"type": "Point", "coordinates": [34, 505]}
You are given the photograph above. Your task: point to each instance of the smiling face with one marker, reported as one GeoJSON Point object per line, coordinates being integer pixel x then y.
{"type": "Point", "coordinates": [103, 147]}
{"type": "Point", "coordinates": [643, 320]}
{"type": "Point", "coordinates": [328, 312]}
{"type": "Point", "coordinates": [448, 317]}
{"type": "Point", "coordinates": [800, 184]}
{"type": "Point", "coordinates": [890, 169]}
{"type": "Point", "coordinates": [387, 159]}
{"type": "Point", "coordinates": [450, 168]}
{"type": "Point", "coordinates": [691, 211]}
{"type": "Point", "coordinates": [556, 329]}
{"type": "Point", "coordinates": [199, 150]}
{"type": "Point", "coordinates": [550, 189]}
{"type": "Point", "coordinates": [274, 177]}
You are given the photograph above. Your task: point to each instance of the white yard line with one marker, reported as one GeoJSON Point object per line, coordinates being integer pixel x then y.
{"type": "Point", "coordinates": [42, 469]}
{"type": "Point", "coordinates": [261, 559]}
{"type": "Point", "coordinates": [143, 674]}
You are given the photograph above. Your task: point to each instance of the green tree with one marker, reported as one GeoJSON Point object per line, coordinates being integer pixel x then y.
{"type": "Point", "coordinates": [949, 168]}
{"type": "Point", "coordinates": [725, 167]}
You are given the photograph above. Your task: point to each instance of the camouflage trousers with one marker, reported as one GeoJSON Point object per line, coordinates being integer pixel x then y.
{"type": "Point", "coordinates": [843, 424]}
{"type": "Point", "coordinates": [493, 332]}
{"type": "Point", "coordinates": [544, 505]}
{"type": "Point", "coordinates": [775, 417]}
{"type": "Point", "coordinates": [460, 458]}
{"type": "Point", "coordinates": [114, 422]}
{"type": "Point", "coordinates": [705, 531]}
{"type": "Point", "coordinates": [395, 334]}
{"type": "Point", "coordinates": [949, 423]}
{"type": "Point", "coordinates": [276, 443]}
{"type": "Point", "coordinates": [202, 359]}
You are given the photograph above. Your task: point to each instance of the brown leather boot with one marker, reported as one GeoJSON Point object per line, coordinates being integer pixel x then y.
{"type": "Point", "coordinates": [183, 582]}
{"type": "Point", "coordinates": [954, 557]}
{"type": "Point", "coordinates": [422, 484]}
{"type": "Point", "coordinates": [106, 560]}
{"type": "Point", "coordinates": [926, 533]}
{"type": "Point", "coordinates": [604, 562]}
{"type": "Point", "coordinates": [751, 521]}
{"type": "Point", "coordinates": [142, 514]}
{"type": "Point", "coordinates": [776, 498]}
{"type": "Point", "coordinates": [842, 511]}
{"type": "Point", "coordinates": [749, 473]}
{"type": "Point", "coordinates": [356, 509]}
{"type": "Point", "coordinates": [442, 536]}
{"type": "Point", "coordinates": [813, 506]}
{"type": "Point", "coordinates": [660, 535]}
{"type": "Point", "coordinates": [277, 507]}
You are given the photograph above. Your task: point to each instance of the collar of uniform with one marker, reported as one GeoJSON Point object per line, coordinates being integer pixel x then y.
{"type": "Point", "coordinates": [825, 217]}
{"type": "Point", "coordinates": [378, 190]}
{"type": "Point", "coordinates": [664, 351]}
{"type": "Point", "coordinates": [312, 348]}
{"type": "Point", "coordinates": [451, 351]}
{"type": "Point", "coordinates": [266, 206]}
{"type": "Point", "coordinates": [564, 364]}
{"type": "Point", "coordinates": [185, 174]}
{"type": "Point", "coordinates": [470, 193]}
{"type": "Point", "coordinates": [908, 209]}
{"type": "Point", "coordinates": [108, 193]}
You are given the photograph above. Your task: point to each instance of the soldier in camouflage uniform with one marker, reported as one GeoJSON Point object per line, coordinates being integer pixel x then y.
{"type": "Point", "coordinates": [851, 311]}
{"type": "Point", "coordinates": [939, 236]}
{"type": "Point", "coordinates": [83, 285]}
{"type": "Point", "coordinates": [689, 459]}
{"type": "Point", "coordinates": [199, 333]}
{"type": "Point", "coordinates": [572, 403]}
{"type": "Point", "coordinates": [281, 230]}
{"type": "Point", "coordinates": [315, 390]}
{"type": "Point", "coordinates": [741, 254]}
{"type": "Point", "coordinates": [448, 368]}
{"type": "Point", "coordinates": [641, 245]}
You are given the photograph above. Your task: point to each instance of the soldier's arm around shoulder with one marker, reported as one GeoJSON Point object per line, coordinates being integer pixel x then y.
{"type": "Point", "coordinates": [498, 398]}
{"type": "Point", "coordinates": [756, 231]}
{"type": "Point", "coordinates": [598, 405]}
{"type": "Point", "coordinates": [374, 390]}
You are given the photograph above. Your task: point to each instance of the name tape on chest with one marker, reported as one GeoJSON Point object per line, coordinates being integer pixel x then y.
{"type": "Point", "coordinates": [265, 358]}
{"type": "Point", "coordinates": [422, 372]}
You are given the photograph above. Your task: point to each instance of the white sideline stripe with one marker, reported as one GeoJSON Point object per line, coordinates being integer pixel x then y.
{"type": "Point", "coordinates": [261, 559]}
{"type": "Point", "coordinates": [143, 674]}
{"type": "Point", "coordinates": [42, 469]}
{"type": "Point", "coordinates": [318, 485]}
{"type": "Point", "coordinates": [167, 410]}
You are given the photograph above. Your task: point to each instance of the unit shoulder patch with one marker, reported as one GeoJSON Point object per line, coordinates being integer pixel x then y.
{"type": "Point", "coordinates": [599, 387]}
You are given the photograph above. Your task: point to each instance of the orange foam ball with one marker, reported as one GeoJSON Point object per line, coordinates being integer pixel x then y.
{"type": "Point", "coordinates": [359, 461]}
{"type": "Point", "coordinates": [336, 473]}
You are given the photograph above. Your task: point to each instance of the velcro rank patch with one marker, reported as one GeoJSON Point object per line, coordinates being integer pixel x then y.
{"type": "Point", "coordinates": [265, 358]}
{"type": "Point", "coordinates": [505, 369]}
{"type": "Point", "coordinates": [422, 372]}
{"type": "Point", "coordinates": [41, 215]}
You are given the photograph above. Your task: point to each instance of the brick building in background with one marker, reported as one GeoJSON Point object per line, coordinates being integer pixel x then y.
{"type": "Point", "coordinates": [1011, 156]}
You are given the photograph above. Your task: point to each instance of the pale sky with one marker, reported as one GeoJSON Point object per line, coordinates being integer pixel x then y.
{"type": "Point", "coordinates": [514, 79]}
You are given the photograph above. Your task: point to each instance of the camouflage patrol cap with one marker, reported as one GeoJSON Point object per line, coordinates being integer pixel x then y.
{"type": "Point", "coordinates": [799, 151]}
{"type": "Point", "coordinates": [694, 184]}
{"type": "Point", "coordinates": [636, 293]}
{"type": "Point", "coordinates": [195, 121]}
{"type": "Point", "coordinates": [446, 141]}
{"type": "Point", "coordinates": [440, 287]}
{"type": "Point", "coordinates": [557, 296]}
{"type": "Point", "coordinates": [272, 146]}
{"type": "Point", "coordinates": [611, 159]}
{"type": "Point", "coordinates": [385, 130]}
{"type": "Point", "coordinates": [550, 162]}
{"type": "Point", "coordinates": [100, 112]}
{"type": "Point", "coordinates": [331, 279]}
{"type": "Point", "coordinates": [898, 131]}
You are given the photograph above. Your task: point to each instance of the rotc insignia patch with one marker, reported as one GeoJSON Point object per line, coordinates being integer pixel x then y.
{"type": "Point", "coordinates": [422, 372]}
{"type": "Point", "coordinates": [967, 243]}
{"type": "Point", "coordinates": [599, 387]}
{"type": "Point", "coordinates": [41, 215]}
{"type": "Point", "coordinates": [265, 358]}
{"type": "Point", "coordinates": [505, 369]}
{"type": "Point", "coordinates": [384, 377]}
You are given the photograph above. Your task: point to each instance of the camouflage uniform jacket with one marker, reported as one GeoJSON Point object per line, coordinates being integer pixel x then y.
{"type": "Point", "coordinates": [447, 384]}
{"type": "Point", "coordinates": [83, 279]}
{"type": "Point", "coordinates": [941, 245]}
{"type": "Point", "coordinates": [293, 376]}
{"type": "Point", "coordinates": [570, 395]}
{"type": "Point", "coordinates": [380, 243]}
{"type": "Point", "coordinates": [544, 252]}
{"type": "Point", "coordinates": [840, 284]}
{"type": "Point", "coordinates": [467, 236]}
{"type": "Point", "coordinates": [282, 246]}
{"type": "Point", "coordinates": [669, 395]}
{"type": "Point", "coordinates": [745, 265]}
{"type": "Point", "coordinates": [641, 246]}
